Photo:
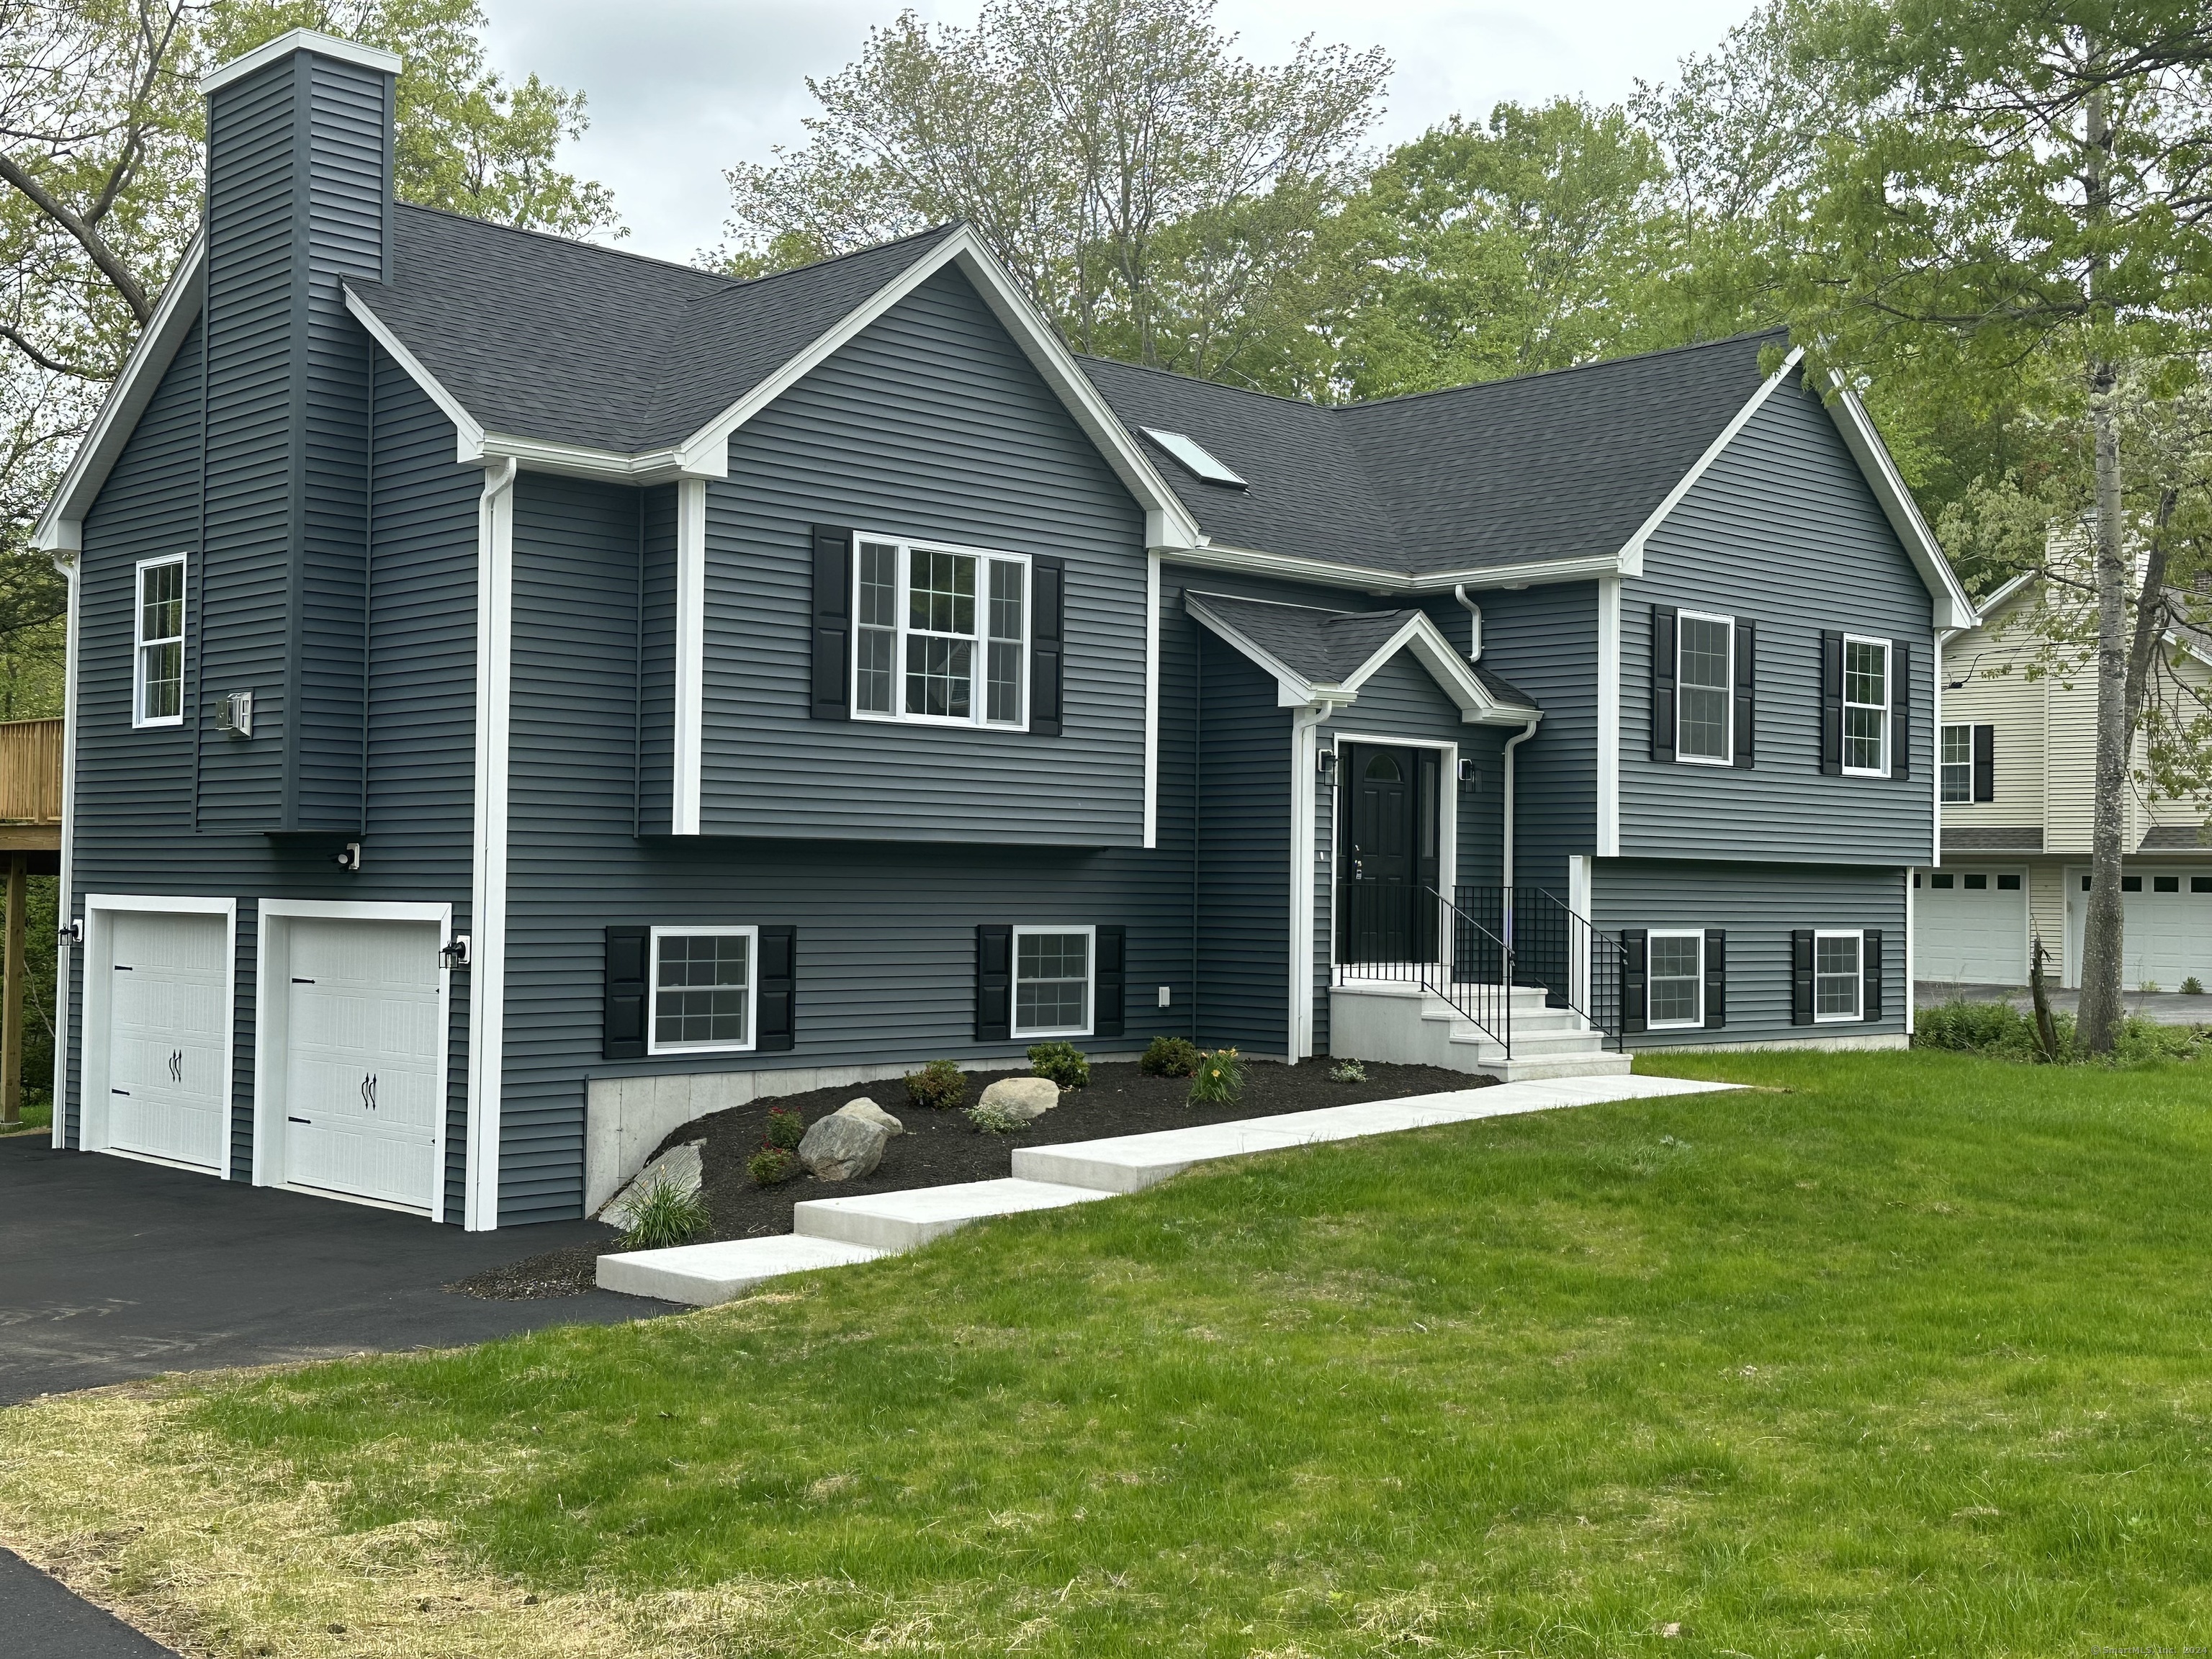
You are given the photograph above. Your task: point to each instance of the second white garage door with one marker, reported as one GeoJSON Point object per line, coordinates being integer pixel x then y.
{"type": "Point", "coordinates": [1970, 927]}
{"type": "Point", "coordinates": [365, 1059]}
{"type": "Point", "coordinates": [2167, 923]}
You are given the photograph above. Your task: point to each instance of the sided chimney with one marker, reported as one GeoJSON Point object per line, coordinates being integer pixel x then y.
{"type": "Point", "coordinates": [299, 201]}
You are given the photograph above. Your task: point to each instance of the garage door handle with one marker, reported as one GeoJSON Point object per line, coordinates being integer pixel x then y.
{"type": "Point", "coordinates": [176, 1066]}
{"type": "Point", "coordinates": [309, 1121]}
{"type": "Point", "coordinates": [368, 1091]}
{"type": "Point", "coordinates": [124, 1092]}
{"type": "Point", "coordinates": [296, 980]}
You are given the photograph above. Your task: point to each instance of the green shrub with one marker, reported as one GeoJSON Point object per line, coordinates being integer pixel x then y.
{"type": "Point", "coordinates": [996, 1120]}
{"type": "Point", "coordinates": [1348, 1070]}
{"type": "Point", "coordinates": [2192, 987]}
{"type": "Point", "coordinates": [666, 1215]}
{"type": "Point", "coordinates": [772, 1165]}
{"type": "Point", "coordinates": [1219, 1077]}
{"type": "Point", "coordinates": [785, 1128]}
{"type": "Point", "coordinates": [1063, 1062]}
{"type": "Point", "coordinates": [1168, 1057]}
{"type": "Point", "coordinates": [1976, 1027]}
{"type": "Point", "coordinates": [941, 1087]}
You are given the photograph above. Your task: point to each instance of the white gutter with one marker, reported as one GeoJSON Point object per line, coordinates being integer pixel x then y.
{"type": "Point", "coordinates": [67, 563]}
{"type": "Point", "coordinates": [1474, 627]}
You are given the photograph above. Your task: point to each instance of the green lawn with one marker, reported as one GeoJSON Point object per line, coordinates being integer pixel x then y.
{"type": "Point", "coordinates": [1905, 1354]}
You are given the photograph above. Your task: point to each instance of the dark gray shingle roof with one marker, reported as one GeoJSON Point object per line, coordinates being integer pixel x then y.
{"type": "Point", "coordinates": [1327, 646]}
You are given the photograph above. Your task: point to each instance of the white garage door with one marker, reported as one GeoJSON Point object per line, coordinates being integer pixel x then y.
{"type": "Point", "coordinates": [2169, 929]}
{"type": "Point", "coordinates": [1970, 927]}
{"type": "Point", "coordinates": [364, 1064]}
{"type": "Point", "coordinates": [169, 1013]}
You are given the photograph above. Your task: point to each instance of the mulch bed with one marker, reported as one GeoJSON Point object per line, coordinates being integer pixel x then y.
{"type": "Point", "coordinates": [940, 1148]}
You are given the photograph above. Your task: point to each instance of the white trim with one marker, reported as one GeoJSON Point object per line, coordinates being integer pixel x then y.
{"type": "Point", "coordinates": [1014, 1031]}
{"type": "Point", "coordinates": [690, 654]}
{"type": "Point", "coordinates": [1699, 1020]}
{"type": "Point", "coordinates": [748, 932]}
{"type": "Point", "coordinates": [1911, 886]}
{"type": "Point", "coordinates": [60, 527]}
{"type": "Point", "coordinates": [272, 980]}
{"type": "Point", "coordinates": [1727, 757]}
{"type": "Point", "coordinates": [1684, 484]}
{"type": "Point", "coordinates": [1943, 726]}
{"type": "Point", "coordinates": [140, 719]}
{"type": "Point", "coordinates": [1305, 764]}
{"type": "Point", "coordinates": [292, 40]}
{"type": "Point", "coordinates": [1858, 977]}
{"type": "Point", "coordinates": [488, 878]}
{"type": "Point", "coordinates": [1447, 795]}
{"type": "Point", "coordinates": [1888, 708]}
{"type": "Point", "coordinates": [1935, 715]}
{"type": "Point", "coordinates": [93, 1047]}
{"type": "Point", "coordinates": [1580, 872]}
{"type": "Point", "coordinates": [1327, 573]}
{"type": "Point", "coordinates": [977, 718]}
{"type": "Point", "coordinates": [67, 564]}
{"type": "Point", "coordinates": [1608, 717]}
{"type": "Point", "coordinates": [469, 445]}
{"type": "Point", "coordinates": [1152, 700]}
{"type": "Point", "coordinates": [1952, 608]}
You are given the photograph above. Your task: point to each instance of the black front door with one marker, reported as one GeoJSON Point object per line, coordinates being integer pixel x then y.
{"type": "Point", "coordinates": [1386, 861]}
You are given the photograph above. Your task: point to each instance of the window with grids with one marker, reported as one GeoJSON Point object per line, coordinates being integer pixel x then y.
{"type": "Point", "coordinates": [1866, 706]}
{"type": "Point", "coordinates": [942, 635]}
{"type": "Point", "coordinates": [1958, 763]}
{"type": "Point", "coordinates": [1705, 658]}
{"type": "Point", "coordinates": [1836, 984]}
{"type": "Point", "coordinates": [702, 988]}
{"type": "Point", "coordinates": [160, 639]}
{"type": "Point", "coordinates": [1052, 981]}
{"type": "Point", "coordinates": [1676, 964]}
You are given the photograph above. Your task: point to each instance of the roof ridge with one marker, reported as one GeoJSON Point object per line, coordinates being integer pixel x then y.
{"type": "Point", "coordinates": [575, 242]}
{"type": "Point", "coordinates": [737, 282]}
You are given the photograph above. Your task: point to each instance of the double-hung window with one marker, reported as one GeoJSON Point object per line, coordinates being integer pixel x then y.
{"type": "Point", "coordinates": [1866, 707]}
{"type": "Point", "coordinates": [1676, 962]}
{"type": "Point", "coordinates": [1837, 981]}
{"type": "Point", "coordinates": [1705, 680]}
{"type": "Point", "coordinates": [703, 992]}
{"type": "Point", "coordinates": [1052, 979]}
{"type": "Point", "coordinates": [943, 635]}
{"type": "Point", "coordinates": [1958, 763]}
{"type": "Point", "coordinates": [158, 677]}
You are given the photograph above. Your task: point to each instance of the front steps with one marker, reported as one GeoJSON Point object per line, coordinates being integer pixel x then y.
{"type": "Point", "coordinates": [1397, 1021]}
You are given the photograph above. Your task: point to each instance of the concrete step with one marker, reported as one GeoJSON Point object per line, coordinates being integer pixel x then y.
{"type": "Point", "coordinates": [703, 1275]}
{"type": "Point", "coordinates": [908, 1220]}
{"type": "Point", "coordinates": [1530, 1068]}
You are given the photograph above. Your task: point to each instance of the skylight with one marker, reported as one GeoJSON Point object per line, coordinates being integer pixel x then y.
{"type": "Point", "coordinates": [1194, 456]}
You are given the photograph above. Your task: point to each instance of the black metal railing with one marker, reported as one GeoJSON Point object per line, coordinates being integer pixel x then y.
{"type": "Point", "coordinates": [1553, 948]}
{"type": "Point", "coordinates": [1397, 932]}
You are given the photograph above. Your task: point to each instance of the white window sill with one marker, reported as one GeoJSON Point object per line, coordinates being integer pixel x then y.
{"type": "Point", "coordinates": [155, 725]}
{"type": "Point", "coordinates": [659, 1048]}
{"type": "Point", "coordinates": [1065, 1031]}
{"type": "Point", "coordinates": [1674, 1025]}
{"type": "Point", "coordinates": [1681, 759]}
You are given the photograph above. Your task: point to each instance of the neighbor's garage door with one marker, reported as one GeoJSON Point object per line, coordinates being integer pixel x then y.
{"type": "Point", "coordinates": [168, 1094]}
{"type": "Point", "coordinates": [364, 1069]}
{"type": "Point", "coordinates": [1970, 927]}
{"type": "Point", "coordinates": [2169, 929]}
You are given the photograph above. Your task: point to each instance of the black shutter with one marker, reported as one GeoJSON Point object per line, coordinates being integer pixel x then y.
{"type": "Point", "coordinates": [832, 625]}
{"type": "Point", "coordinates": [994, 984]}
{"type": "Point", "coordinates": [1870, 975]}
{"type": "Point", "coordinates": [1047, 643]}
{"type": "Point", "coordinates": [1831, 704]}
{"type": "Point", "coordinates": [1662, 682]}
{"type": "Point", "coordinates": [774, 998]}
{"type": "Point", "coordinates": [1801, 976]}
{"type": "Point", "coordinates": [1111, 990]}
{"type": "Point", "coordinates": [1716, 978]}
{"type": "Point", "coordinates": [1635, 980]}
{"type": "Point", "coordinates": [1746, 690]}
{"type": "Point", "coordinates": [622, 1021]}
{"type": "Point", "coordinates": [1900, 709]}
{"type": "Point", "coordinates": [1985, 762]}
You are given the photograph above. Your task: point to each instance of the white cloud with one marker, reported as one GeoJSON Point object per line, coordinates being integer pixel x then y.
{"type": "Point", "coordinates": [680, 89]}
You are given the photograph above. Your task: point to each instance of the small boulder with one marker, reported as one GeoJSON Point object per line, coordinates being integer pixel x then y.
{"type": "Point", "coordinates": [840, 1148]}
{"type": "Point", "coordinates": [1022, 1097]}
{"type": "Point", "coordinates": [868, 1112]}
{"type": "Point", "coordinates": [678, 1167]}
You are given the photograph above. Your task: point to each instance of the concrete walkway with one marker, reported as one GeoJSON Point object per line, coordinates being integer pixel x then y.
{"type": "Point", "coordinates": [2165, 1007]}
{"type": "Point", "coordinates": [841, 1232]}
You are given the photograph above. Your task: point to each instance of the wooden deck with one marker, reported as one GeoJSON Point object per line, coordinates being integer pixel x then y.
{"type": "Point", "coordinates": [30, 786]}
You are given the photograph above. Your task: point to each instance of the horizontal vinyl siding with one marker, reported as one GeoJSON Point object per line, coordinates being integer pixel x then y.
{"type": "Point", "coordinates": [1244, 850]}
{"type": "Point", "coordinates": [1760, 904]}
{"type": "Point", "coordinates": [1997, 692]}
{"type": "Point", "coordinates": [930, 424]}
{"type": "Point", "coordinates": [1782, 529]}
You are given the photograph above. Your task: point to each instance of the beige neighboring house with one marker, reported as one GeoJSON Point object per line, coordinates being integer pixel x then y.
{"type": "Point", "coordinates": [2017, 757]}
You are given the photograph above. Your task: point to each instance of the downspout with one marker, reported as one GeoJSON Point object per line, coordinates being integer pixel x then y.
{"type": "Point", "coordinates": [1474, 626]}
{"type": "Point", "coordinates": [1304, 806]}
{"type": "Point", "coordinates": [71, 565]}
{"type": "Point", "coordinates": [1511, 744]}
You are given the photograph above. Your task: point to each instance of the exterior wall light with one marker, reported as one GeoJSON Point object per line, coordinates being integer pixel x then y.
{"type": "Point", "coordinates": [1327, 765]}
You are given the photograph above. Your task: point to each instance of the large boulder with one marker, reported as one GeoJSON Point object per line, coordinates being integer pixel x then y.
{"type": "Point", "coordinates": [678, 1167]}
{"type": "Point", "coordinates": [1021, 1099]}
{"type": "Point", "coordinates": [838, 1148]}
{"type": "Point", "coordinates": [868, 1112]}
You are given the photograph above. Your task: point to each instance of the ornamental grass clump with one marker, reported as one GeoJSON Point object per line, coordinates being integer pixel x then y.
{"type": "Point", "coordinates": [1062, 1062]}
{"type": "Point", "coordinates": [666, 1215]}
{"type": "Point", "coordinates": [1167, 1056]}
{"type": "Point", "coordinates": [1219, 1077]}
{"type": "Point", "coordinates": [939, 1087]}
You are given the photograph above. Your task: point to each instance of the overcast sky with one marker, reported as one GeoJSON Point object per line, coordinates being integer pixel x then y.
{"type": "Point", "coordinates": [680, 89]}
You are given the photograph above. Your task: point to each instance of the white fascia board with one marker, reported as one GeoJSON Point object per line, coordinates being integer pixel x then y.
{"type": "Point", "coordinates": [1324, 573]}
{"type": "Point", "coordinates": [1688, 480]}
{"type": "Point", "coordinates": [1293, 689]}
{"type": "Point", "coordinates": [60, 527]}
{"type": "Point", "coordinates": [1450, 670]}
{"type": "Point", "coordinates": [691, 655]}
{"type": "Point", "coordinates": [469, 434]}
{"type": "Point", "coordinates": [1952, 608]}
{"type": "Point", "coordinates": [1168, 522]}
{"type": "Point", "coordinates": [323, 46]}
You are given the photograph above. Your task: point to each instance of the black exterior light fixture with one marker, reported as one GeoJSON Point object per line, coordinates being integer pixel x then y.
{"type": "Point", "coordinates": [1327, 768]}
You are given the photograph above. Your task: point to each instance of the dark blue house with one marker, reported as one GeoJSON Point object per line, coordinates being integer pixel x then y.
{"type": "Point", "coordinates": [523, 695]}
